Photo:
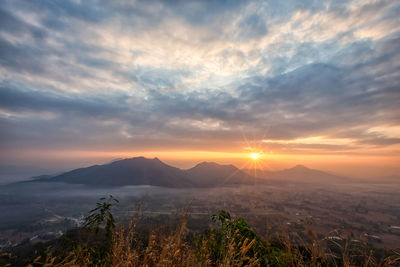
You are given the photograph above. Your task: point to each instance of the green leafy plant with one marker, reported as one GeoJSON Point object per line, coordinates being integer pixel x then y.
{"type": "Point", "coordinates": [101, 216]}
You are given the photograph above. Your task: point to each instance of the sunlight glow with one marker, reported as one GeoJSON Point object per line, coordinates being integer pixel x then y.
{"type": "Point", "coordinates": [255, 156]}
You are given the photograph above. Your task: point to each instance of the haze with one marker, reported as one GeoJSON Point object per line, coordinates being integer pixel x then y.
{"type": "Point", "coordinates": [313, 83]}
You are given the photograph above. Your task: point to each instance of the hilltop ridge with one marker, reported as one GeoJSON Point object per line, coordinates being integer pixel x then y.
{"type": "Point", "coordinates": [145, 171]}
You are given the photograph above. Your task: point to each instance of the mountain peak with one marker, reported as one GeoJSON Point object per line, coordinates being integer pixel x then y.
{"type": "Point", "coordinates": [207, 164]}
{"type": "Point", "coordinates": [300, 167]}
{"type": "Point", "coordinates": [152, 171]}
{"type": "Point", "coordinates": [212, 163]}
{"type": "Point", "coordinates": [139, 159]}
{"type": "Point", "coordinates": [213, 174]}
{"type": "Point", "coordinates": [130, 171]}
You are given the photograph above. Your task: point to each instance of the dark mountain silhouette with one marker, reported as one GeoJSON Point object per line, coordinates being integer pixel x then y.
{"type": "Point", "coordinates": [208, 174]}
{"type": "Point", "coordinates": [302, 174]}
{"type": "Point", "coordinates": [143, 171]}
{"type": "Point", "coordinates": [42, 177]}
{"type": "Point", "coordinates": [133, 171]}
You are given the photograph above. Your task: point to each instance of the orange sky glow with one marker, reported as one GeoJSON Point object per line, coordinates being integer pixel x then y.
{"type": "Point", "coordinates": [312, 84]}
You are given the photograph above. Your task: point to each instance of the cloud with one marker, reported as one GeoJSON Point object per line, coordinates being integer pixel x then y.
{"type": "Point", "coordinates": [180, 74]}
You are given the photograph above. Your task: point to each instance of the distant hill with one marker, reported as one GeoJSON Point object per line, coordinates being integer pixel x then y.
{"type": "Point", "coordinates": [302, 174]}
{"type": "Point", "coordinates": [144, 171]}
{"type": "Point", "coordinates": [209, 174]}
{"type": "Point", "coordinates": [133, 171]}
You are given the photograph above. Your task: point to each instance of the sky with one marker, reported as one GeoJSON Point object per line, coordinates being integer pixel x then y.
{"type": "Point", "coordinates": [303, 82]}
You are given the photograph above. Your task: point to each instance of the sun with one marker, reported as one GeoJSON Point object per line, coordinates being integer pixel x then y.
{"type": "Point", "coordinates": [255, 156]}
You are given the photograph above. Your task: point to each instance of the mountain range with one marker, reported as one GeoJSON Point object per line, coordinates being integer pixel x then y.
{"type": "Point", "coordinates": [301, 174]}
{"type": "Point", "coordinates": [144, 171]}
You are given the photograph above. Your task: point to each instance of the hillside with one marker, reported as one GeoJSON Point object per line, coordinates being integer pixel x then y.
{"type": "Point", "coordinates": [210, 174]}
{"type": "Point", "coordinates": [144, 171]}
{"type": "Point", "coordinates": [133, 171]}
{"type": "Point", "coordinates": [303, 175]}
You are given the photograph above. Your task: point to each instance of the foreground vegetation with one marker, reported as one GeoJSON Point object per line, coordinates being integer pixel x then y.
{"type": "Point", "coordinates": [232, 243]}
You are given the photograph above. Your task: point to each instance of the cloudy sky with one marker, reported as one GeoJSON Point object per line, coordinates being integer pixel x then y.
{"type": "Point", "coordinates": [307, 82]}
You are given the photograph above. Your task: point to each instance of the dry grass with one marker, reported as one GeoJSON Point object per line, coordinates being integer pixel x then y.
{"type": "Point", "coordinates": [172, 249]}
{"type": "Point", "coordinates": [320, 254]}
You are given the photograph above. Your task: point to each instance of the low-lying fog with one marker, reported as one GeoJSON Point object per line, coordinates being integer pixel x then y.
{"type": "Point", "coordinates": [31, 209]}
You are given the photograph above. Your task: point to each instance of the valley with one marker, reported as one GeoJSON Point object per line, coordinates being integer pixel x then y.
{"type": "Point", "coordinates": [355, 211]}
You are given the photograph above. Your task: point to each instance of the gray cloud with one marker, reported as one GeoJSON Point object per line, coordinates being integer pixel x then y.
{"type": "Point", "coordinates": [78, 75]}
